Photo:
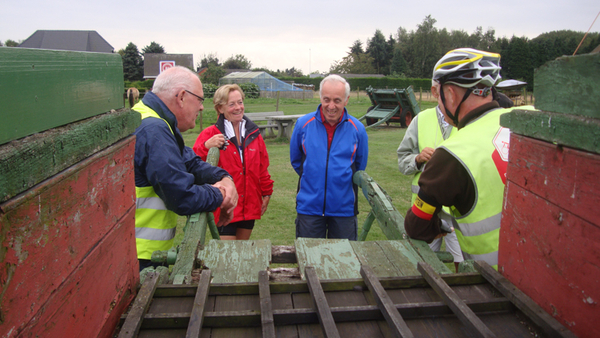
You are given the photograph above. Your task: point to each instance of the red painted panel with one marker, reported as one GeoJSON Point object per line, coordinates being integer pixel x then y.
{"type": "Point", "coordinates": [563, 176]}
{"type": "Point", "coordinates": [549, 243]}
{"type": "Point", "coordinates": [48, 232]}
{"type": "Point", "coordinates": [91, 300]}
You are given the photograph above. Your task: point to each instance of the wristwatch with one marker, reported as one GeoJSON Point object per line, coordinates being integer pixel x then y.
{"type": "Point", "coordinates": [231, 178]}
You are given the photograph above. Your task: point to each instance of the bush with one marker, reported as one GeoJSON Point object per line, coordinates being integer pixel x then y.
{"type": "Point", "coordinates": [209, 90]}
{"type": "Point", "coordinates": [251, 90]}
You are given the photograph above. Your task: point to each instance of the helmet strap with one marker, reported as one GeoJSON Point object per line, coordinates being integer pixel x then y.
{"type": "Point", "coordinates": [454, 117]}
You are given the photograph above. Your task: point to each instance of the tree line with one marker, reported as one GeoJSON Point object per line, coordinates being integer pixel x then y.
{"type": "Point", "coordinates": [405, 54]}
{"type": "Point", "coordinates": [414, 54]}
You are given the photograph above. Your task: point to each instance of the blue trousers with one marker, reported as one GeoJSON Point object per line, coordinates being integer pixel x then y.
{"type": "Point", "coordinates": [326, 227]}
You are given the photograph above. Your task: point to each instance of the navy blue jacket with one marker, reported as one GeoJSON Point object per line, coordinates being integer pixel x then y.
{"type": "Point", "coordinates": [179, 177]}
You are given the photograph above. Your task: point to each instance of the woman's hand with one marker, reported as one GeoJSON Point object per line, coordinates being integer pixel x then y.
{"type": "Point", "coordinates": [217, 140]}
{"type": "Point", "coordinates": [265, 204]}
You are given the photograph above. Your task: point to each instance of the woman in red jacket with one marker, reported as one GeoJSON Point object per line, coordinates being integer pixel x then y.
{"type": "Point", "coordinates": [244, 155]}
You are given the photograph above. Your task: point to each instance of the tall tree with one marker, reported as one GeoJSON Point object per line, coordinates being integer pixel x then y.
{"type": "Point", "coordinates": [153, 47]}
{"type": "Point", "coordinates": [133, 65]}
{"type": "Point", "coordinates": [357, 48]}
{"type": "Point", "coordinates": [213, 74]}
{"type": "Point", "coordinates": [426, 49]}
{"type": "Point", "coordinates": [238, 61]}
{"type": "Point", "coordinates": [398, 64]}
{"type": "Point", "coordinates": [377, 49]}
{"type": "Point", "coordinates": [516, 60]}
{"type": "Point", "coordinates": [210, 59]}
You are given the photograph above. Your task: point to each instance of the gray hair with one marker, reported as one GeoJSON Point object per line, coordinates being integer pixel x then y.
{"type": "Point", "coordinates": [172, 80]}
{"type": "Point", "coordinates": [335, 78]}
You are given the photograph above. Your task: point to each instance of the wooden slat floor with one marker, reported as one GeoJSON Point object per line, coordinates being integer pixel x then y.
{"type": "Point", "coordinates": [507, 323]}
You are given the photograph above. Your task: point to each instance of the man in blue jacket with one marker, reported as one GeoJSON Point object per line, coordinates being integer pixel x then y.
{"type": "Point", "coordinates": [170, 179]}
{"type": "Point", "coordinates": [327, 147]}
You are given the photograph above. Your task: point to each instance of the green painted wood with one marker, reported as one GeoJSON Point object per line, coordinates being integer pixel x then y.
{"type": "Point", "coordinates": [331, 258]}
{"type": "Point", "coordinates": [371, 254]}
{"type": "Point", "coordinates": [42, 89]}
{"type": "Point", "coordinates": [366, 226]}
{"type": "Point", "coordinates": [567, 130]}
{"type": "Point", "coordinates": [28, 161]}
{"type": "Point", "coordinates": [236, 261]}
{"type": "Point", "coordinates": [402, 256]}
{"type": "Point", "coordinates": [389, 219]}
{"type": "Point", "coordinates": [429, 256]}
{"type": "Point", "coordinates": [195, 232]}
{"type": "Point", "coordinates": [569, 85]}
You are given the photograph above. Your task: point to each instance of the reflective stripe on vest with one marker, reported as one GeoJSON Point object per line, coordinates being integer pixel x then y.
{"type": "Point", "coordinates": [155, 225]}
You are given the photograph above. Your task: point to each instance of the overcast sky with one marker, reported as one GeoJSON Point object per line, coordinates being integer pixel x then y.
{"type": "Point", "coordinates": [309, 35]}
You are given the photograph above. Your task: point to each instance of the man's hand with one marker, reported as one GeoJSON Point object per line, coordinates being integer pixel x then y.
{"type": "Point", "coordinates": [425, 155]}
{"type": "Point", "coordinates": [229, 192]}
{"type": "Point", "coordinates": [225, 217]}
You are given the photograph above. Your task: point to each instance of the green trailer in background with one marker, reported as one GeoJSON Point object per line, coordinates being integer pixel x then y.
{"type": "Point", "coordinates": [391, 105]}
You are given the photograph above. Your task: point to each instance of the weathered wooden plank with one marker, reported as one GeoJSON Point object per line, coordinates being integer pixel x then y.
{"type": "Point", "coordinates": [323, 310]}
{"type": "Point", "coordinates": [195, 232]}
{"type": "Point", "coordinates": [558, 128]}
{"type": "Point", "coordinates": [549, 325]}
{"type": "Point", "coordinates": [28, 161]}
{"type": "Point", "coordinates": [140, 306]}
{"type": "Point", "coordinates": [372, 254]}
{"type": "Point", "coordinates": [197, 315]}
{"type": "Point", "coordinates": [67, 86]}
{"type": "Point", "coordinates": [559, 85]}
{"type": "Point", "coordinates": [402, 256]}
{"type": "Point", "coordinates": [458, 306]}
{"type": "Point", "coordinates": [429, 256]}
{"type": "Point", "coordinates": [236, 261]}
{"type": "Point", "coordinates": [52, 238]}
{"type": "Point", "coordinates": [565, 177]}
{"type": "Point", "coordinates": [366, 226]}
{"type": "Point", "coordinates": [389, 219]}
{"type": "Point", "coordinates": [283, 254]}
{"type": "Point", "coordinates": [393, 318]}
{"type": "Point", "coordinates": [266, 311]}
{"type": "Point", "coordinates": [407, 282]}
{"type": "Point", "coordinates": [303, 314]}
{"type": "Point", "coordinates": [331, 258]}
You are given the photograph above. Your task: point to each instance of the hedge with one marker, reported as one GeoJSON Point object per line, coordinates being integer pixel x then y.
{"type": "Point", "coordinates": [364, 82]}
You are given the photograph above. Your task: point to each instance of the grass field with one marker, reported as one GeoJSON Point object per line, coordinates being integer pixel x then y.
{"type": "Point", "coordinates": [278, 222]}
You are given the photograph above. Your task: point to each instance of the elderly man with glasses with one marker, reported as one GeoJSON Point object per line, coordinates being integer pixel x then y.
{"type": "Point", "coordinates": [170, 179]}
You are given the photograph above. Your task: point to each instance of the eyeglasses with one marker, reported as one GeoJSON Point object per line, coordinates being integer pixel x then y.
{"type": "Point", "coordinates": [198, 96]}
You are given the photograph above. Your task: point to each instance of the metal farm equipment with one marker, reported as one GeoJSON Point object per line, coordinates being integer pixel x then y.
{"type": "Point", "coordinates": [391, 105]}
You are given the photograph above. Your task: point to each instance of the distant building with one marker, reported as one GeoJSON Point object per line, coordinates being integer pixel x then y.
{"type": "Point", "coordinates": [154, 61]}
{"type": "Point", "coordinates": [85, 41]}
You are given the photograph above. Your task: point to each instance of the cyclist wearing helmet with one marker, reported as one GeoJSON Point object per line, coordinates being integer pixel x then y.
{"type": "Point", "coordinates": [467, 172]}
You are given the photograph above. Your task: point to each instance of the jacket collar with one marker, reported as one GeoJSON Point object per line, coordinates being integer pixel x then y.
{"type": "Point", "coordinates": [318, 115]}
{"type": "Point", "coordinates": [155, 103]}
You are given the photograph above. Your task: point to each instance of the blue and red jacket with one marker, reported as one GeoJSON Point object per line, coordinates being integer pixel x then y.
{"type": "Point", "coordinates": [325, 186]}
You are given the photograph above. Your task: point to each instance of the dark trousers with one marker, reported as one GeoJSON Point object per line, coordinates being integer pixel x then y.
{"type": "Point", "coordinates": [326, 227]}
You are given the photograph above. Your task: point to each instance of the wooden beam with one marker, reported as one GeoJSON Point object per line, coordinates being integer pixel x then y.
{"type": "Point", "coordinates": [197, 315]}
{"type": "Point", "coordinates": [266, 310]}
{"type": "Point", "coordinates": [301, 316]}
{"type": "Point", "coordinates": [323, 310]}
{"type": "Point", "coordinates": [217, 289]}
{"type": "Point", "coordinates": [283, 254]}
{"type": "Point", "coordinates": [135, 317]}
{"type": "Point", "coordinates": [541, 318]}
{"type": "Point", "coordinates": [458, 306]}
{"type": "Point", "coordinates": [385, 304]}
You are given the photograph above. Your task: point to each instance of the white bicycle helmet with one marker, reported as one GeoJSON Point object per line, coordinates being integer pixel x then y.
{"type": "Point", "coordinates": [467, 67]}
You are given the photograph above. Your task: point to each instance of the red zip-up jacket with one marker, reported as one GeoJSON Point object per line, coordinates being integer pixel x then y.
{"type": "Point", "coordinates": [252, 178]}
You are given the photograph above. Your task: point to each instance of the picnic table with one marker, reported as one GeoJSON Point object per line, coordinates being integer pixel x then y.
{"type": "Point", "coordinates": [285, 124]}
